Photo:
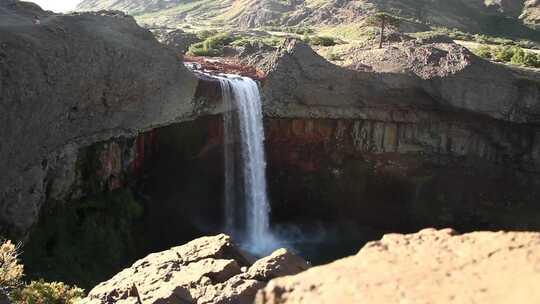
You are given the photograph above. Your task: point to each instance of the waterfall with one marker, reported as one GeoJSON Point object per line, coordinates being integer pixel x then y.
{"type": "Point", "coordinates": [246, 201]}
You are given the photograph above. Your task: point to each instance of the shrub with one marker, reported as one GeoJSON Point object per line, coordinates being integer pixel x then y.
{"type": "Point", "coordinates": [322, 41]}
{"type": "Point", "coordinates": [11, 271]}
{"type": "Point", "coordinates": [484, 51]}
{"type": "Point", "coordinates": [273, 41]}
{"type": "Point", "coordinates": [211, 46]}
{"type": "Point", "coordinates": [518, 57]}
{"type": "Point", "coordinates": [532, 60]}
{"type": "Point", "coordinates": [204, 49]}
{"type": "Point", "coordinates": [504, 54]}
{"type": "Point", "coordinates": [40, 292]}
{"type": "Point", "coordinates": [514, 55]}
{"type": "Point", "coordinates": [203, 35]}
{"type": "Point", "coordinates": [302, 31]}
{"type": "Point", "coordinates": [218, 41]}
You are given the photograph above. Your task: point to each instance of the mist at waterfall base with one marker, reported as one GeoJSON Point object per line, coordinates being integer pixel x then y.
{"type": "Point", "coordinates": [246, 202]}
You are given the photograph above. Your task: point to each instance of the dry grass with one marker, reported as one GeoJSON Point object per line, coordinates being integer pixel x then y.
{"type": "Point", "coordinates": [11, 271]}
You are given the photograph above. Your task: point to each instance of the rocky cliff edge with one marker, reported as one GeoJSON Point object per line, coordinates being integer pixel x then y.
{"type": "Point", "coordinates": [432, 266]}
{"type": "Point", "coordinates": [69, 81]}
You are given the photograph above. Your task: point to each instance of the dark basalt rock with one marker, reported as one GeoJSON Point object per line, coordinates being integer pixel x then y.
{"type": "Point", "coordinates": [437, 76]}
{"type": "Point", "coordinates": [71, 81]}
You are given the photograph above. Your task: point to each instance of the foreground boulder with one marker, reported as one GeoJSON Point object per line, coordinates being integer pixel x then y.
{"type": "Point", "coordinates": [206, 270]}
{"type": "Point", "coordinates": [426, 267]}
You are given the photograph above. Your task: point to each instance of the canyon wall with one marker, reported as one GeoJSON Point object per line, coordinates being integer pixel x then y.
{"type": "Point", "coordinates": [416, 136]}
{"type": "Point", "coordinates": [71, 81]}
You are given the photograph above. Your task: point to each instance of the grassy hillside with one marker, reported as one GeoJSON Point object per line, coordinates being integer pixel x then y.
{"type": "Point", "coordinates": [491, 26]}
{"type": "Point", "coordinates": [510, 18]}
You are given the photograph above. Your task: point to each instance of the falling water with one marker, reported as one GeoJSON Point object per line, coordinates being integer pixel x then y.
{"type": "Point", "coordinates": [246, 201]}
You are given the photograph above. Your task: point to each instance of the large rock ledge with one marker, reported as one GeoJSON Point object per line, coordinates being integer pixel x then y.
{"type": "Point", "coordinates": [208, 270]}
{"type": "Point", "coordinates": [426, 267]}
{"type": "Point", "coordinates": [69, 82]}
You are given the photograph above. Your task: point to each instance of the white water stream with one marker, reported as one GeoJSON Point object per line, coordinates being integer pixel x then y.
{"type": "Point", "coordinates": [246, 201]}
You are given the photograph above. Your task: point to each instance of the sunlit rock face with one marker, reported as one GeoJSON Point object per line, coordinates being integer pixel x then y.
{"type": "Point", "coordinates": [438, 266]}
{"type": "Point", "coordinates": [205, 270]}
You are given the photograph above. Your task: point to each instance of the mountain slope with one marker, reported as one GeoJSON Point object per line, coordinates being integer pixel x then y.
{"type": "Point", "coordinates": [497, 17]}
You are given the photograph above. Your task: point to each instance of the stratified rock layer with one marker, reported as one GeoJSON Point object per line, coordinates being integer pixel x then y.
{"type": "Point", "coordinates": [206, 270]}
{"type": "Point", "coordinates": [427, 267]}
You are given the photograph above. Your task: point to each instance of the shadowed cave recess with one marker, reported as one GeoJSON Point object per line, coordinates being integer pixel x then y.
{"type": "Point", "coordinates": [165, 187]}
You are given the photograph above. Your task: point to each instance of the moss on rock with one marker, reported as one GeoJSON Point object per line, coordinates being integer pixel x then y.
{"type": "Point", "coordinates": [84, 241]}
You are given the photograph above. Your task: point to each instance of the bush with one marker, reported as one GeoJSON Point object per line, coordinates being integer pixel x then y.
{"type": "Point", "coordinates": [504, 54]}
{"type": "Point", "coordinates": [203, 35]}
{"type": "Point", "coordinates": [212, 46]}
{"type": "Point", "coordinates": [198, 49]}
{"type": "Point", "coordinates": [484, 51]}
{"type": "Point", "coordinates": [11, 271]}
{"type": "Point", "coordinates": [509, 54]}
{"type": "Point", "coordinates": [321, 40]}
{"type": "Point", "coordinates": [532, 60]}
{"type": "Point", "coordinates": [253, 41]}
{"type": "Point", "coordinates": [518, 57]}
{"type": "Point", "coordinates": [40, 292]}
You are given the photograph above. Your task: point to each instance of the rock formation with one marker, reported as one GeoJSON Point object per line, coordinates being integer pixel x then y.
{"type": "Point", "coordinates": [69, 82]}
{"type": "Point", "coordinates": [421, 76]}
{"type": "Point", "coordinates": [426, 267]}
{"type": "Point", "coordinates": [405, 140]}
{"type": "Point", "coordinates": [206, 270]}
{"type": "Point", "coordinates": [419, 134]}
{"type": "Point", "coordinates": [177, 40]}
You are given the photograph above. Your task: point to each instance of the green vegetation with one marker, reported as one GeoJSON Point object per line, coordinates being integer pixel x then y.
{"type": "Point", "coordinates": [383, 20]}
{"type": "Point", "coordinates": [41, 292]}
{"type": "Point", "coordinates": [35, 292]}
{"type": "Point", "coordinates": [212, 45]}
{"type": "Point", "coordinates": [480, 38]}
{"type": "Point", "coordinates": [509, 54]}
{"type": "Point", "coordinates": [205, 34]}
{"type": "Point", "coordinates": [84, 241]}
{"type": "Point", "coordinates": [290, 29]}
{"type": "Point", "coordinates": [11, 271]}
{"type": "Point", "coordinates": [273, 41]}
{"type": "Point", "coordinates": [320, 40]}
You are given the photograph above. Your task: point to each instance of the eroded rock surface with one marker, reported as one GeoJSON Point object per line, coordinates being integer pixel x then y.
{"type": "Point", "coordinates": [414, 75]}
{"type": "Point", "coordinates": [206, 270]}
{"type": "Point", "coordinates": [71, 81]}
{"type": "Point", "coordinates": [432, 266]}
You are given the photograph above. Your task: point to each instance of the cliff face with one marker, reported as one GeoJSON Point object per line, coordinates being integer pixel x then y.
{"type": "Point", "coordinates": [71, 81]}
{"type": "Point", "coordinates": [409, 144]}
{"type": "Point", "coordinates": [413, 135]}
